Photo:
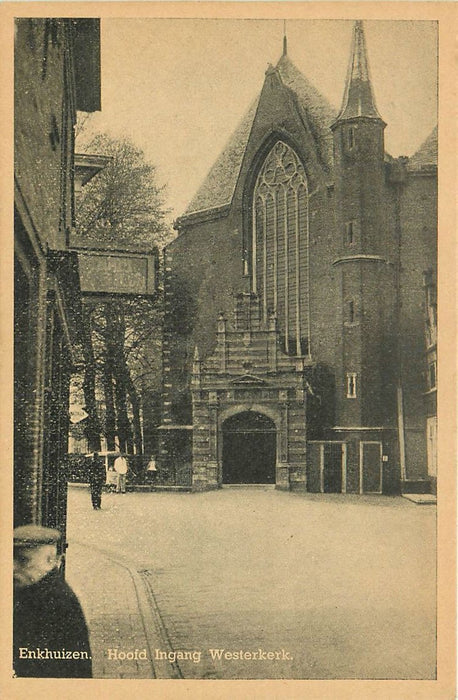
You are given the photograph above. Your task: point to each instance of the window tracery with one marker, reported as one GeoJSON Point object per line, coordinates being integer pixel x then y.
{"type": "Point", "coordinates": [280, 246]}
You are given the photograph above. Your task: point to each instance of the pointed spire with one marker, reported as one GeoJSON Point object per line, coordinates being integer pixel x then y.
{"type": "Point", "coordinates": [285, 39]}
{"type": "Point", "coordinates": [358, 98]}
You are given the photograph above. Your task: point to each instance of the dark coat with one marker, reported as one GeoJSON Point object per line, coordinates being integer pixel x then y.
{"type": "Point", "coordinates": [97, 473]}
{"type": "Point", "coordinates": [47, 615]}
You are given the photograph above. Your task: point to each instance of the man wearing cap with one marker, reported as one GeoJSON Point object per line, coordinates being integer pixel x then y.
{"type": "Point", "coordinates": [50, 636]}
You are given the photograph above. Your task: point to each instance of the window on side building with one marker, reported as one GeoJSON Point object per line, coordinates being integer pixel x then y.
{"type": "Point", "coordinates": [350, 232]}
{"type": "Point", "coordinates": [351, 385]}
{"type": "Point", "coordinates": [432, 374]}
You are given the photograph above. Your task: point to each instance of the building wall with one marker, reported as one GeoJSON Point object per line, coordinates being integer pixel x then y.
{"type": "Point", "coordinates": [203, 269]}
{"type": "Point", "coordinates": [418, 213]}
{"type": "Point", "coordinates": [44, 116]}
{"type": "Point", "coordinates": [47, 304]}
{"type": "Point", "coordinates": [29, 359]}
{"type": "Point", "coordinates": [418, 253]}
{"type": "Point", "coordinates": [43, 113]}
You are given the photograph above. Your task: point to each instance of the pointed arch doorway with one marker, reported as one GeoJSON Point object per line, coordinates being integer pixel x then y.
{"type": "Point", "coordinates": [249, 449]}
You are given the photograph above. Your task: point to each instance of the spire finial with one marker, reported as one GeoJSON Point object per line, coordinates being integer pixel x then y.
{"type": "Point", "coordinates": [358, 98]}
{"type": "Point", "coordinates": [285, 39]}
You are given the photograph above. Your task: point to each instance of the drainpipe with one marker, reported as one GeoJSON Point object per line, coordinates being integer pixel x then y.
{"type": "Point", "coordinates": [401, 432]}
{"type": "Point", "coordinates": [401, 176]}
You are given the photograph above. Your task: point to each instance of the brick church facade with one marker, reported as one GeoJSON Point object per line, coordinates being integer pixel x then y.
{"type": "Point", "coordinates": [294, 335]}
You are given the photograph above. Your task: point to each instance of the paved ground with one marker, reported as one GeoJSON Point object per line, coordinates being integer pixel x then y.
{"type": "Point", "coordinates": [336, 586]}
{"type": "Point", "coordinates": [109, 598]}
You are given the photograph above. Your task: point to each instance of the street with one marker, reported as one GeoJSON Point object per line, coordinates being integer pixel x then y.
{"type": "Point", "coordinates": [278, 585]}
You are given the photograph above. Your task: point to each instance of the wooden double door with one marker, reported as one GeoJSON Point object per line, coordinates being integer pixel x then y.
{"type": "Point", "coordinates": [249, 449]}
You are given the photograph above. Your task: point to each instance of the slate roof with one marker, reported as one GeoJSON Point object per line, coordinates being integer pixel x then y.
{"type": "Point", "coordinates": [358, 98]}
{"type": "Point", "coordinates": [218, 187]}
{"type": "Point", "coordinates": [426, 154]}
{"type": "Point", "coordinates": [319, 114]}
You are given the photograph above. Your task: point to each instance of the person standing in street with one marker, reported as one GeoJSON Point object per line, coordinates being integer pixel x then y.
{"type": "Point", "coordinates": [151, 470]}
{"type": "Point", "coordinates": [50, 635]}
{"type": "Point", "coordinates": [120, 466]}
{"type": "Point", "coordinates": [97, 478]}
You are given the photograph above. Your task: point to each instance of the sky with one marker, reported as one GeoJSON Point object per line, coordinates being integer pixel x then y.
{"type": "Point", "coordinates": [178, 87]}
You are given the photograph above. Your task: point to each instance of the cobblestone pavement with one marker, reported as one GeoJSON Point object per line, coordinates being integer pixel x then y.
{"type": "Point", "coordinates": [108, 595]}
{"type": "Point", "coordinates": [335, 586]}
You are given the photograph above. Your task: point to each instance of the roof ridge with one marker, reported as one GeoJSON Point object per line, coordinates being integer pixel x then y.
{"type": "Point", "coordinates": [218, 187]}
{"type": "Point", "coordinates": [285, 59]}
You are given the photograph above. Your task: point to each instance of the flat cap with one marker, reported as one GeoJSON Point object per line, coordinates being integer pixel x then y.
{"type": "Point", "coordinates": [35, 535]}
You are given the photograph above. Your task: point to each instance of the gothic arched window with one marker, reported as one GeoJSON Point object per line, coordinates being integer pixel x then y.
{"type": "Point", "coordinates": [280, 273]}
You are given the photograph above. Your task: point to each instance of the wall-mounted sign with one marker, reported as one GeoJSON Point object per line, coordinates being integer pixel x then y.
{"type": "Point", "coordinates": [77, 414]}
{"type": "Point", "coordinates": [116, 273]}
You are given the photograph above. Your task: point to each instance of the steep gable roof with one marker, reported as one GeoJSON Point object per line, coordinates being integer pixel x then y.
{"type": "Point", "coordinates": [358, 100]}
{"type": "Point", "coordinates": [426, 154]}
{"type": "Point", "coordinates": [218, 187]}
{"type": "Point", "coordinates": [319, 114]}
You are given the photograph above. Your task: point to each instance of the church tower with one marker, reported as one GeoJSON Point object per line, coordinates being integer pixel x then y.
{"type": "Point", "coordinates": [364, 270]}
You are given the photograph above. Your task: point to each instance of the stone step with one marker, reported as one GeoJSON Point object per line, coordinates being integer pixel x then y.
{"type": "Point", "coordinates": [415, 486]}
{"type": "Point", "coordinates": [421, 499]}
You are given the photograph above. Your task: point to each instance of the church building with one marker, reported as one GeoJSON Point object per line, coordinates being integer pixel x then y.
{"type": "Point", "coordinates": [294, 349]}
